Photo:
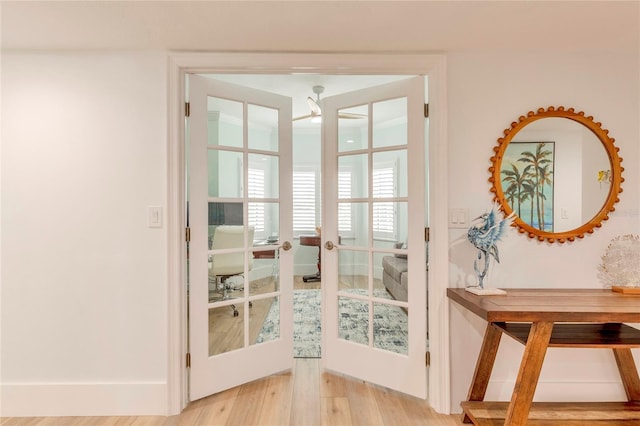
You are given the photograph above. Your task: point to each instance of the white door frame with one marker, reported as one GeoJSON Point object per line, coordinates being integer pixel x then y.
{"type": "Point", "coordinates": [286, 63]}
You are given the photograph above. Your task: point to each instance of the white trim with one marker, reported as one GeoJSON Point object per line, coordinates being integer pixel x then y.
{"type": "Point", "coordinates": [177, 389]}
{"type": "Point", "coordinates": [285, 63]}
{"type": "Point", "coordinates": [557, 390]}
{"type": "Point", "coordinates": [438, 274]}
{"type": "Point", "coordinates": [83, 399]}
{"type": "Point", "coordinates": [313, 63]}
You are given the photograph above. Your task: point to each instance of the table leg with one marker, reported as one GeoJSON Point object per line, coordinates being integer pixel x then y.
{"type": "Point", "coordinates": [525, 387]}
{"type": "Point", "coordinates": [484, 365]}
{"type": "Point", "coordinates": [628, 373]}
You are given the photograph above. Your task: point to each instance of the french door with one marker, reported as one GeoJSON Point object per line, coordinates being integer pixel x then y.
{"type": "Point", "coordinates": [239, 209]}
{"type": "Point", "coordinates": [375, 298]}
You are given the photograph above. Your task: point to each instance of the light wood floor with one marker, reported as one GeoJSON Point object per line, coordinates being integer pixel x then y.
{"type": "Point", "coordinates": [305, 396]}
{"type": "Point", "coordinates": [226, 331]}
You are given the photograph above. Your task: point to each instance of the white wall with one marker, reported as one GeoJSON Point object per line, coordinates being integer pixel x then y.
{"type": "Point", "coordinates": [486, 93]}
{"type": "Point", "coordinates": [84, 308]}
{"type": "Point", "coordinates": [84, 284]}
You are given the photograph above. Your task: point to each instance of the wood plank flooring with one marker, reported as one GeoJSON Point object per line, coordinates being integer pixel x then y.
{"type": "Point", "coordinates": [226, 332]}
{"type": "Point", "coordinates": [305, 396]}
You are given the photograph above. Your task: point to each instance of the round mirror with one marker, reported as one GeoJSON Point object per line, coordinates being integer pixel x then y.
{"type": "Point", "coordinates": [559, 172]}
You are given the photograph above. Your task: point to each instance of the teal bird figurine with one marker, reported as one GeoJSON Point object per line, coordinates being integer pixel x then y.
{"type": "Point", "coordinates": [485, 232]}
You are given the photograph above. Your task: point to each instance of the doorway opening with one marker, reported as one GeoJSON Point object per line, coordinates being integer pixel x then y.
{"type": "Point", "coordinates": [181, 65]}
{"type": "Point", "coordinates": [307, 92]}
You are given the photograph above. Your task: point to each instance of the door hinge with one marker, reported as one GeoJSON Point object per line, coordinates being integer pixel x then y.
{"type": "Point", "coordinates": [426, 110]}
{"type": "Point", "coordinates": [187, 234]}
{"type": "Point", "coordinates": [189, 360]}
{"type": "Point", "coordinates": [426, 234]}
{"type": "Point", "coordinates": [187, 109]}
{"type": "Point", "coordinates": [427, 358]}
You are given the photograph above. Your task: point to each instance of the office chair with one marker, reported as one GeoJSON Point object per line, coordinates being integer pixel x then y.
{"type": "Point", "coordinates": [225, 265]}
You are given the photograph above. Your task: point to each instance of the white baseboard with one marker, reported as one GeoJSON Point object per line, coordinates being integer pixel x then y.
{"type": "Point", "coordinates": [556, 391]}
{"type": "Point", "coordinates": [83, 399]}
{"type": "Point", "coordinates": [570, 391]}
{"type": "Point", "coordinates": [580, 391]}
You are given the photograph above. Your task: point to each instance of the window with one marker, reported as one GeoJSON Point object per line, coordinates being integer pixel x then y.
{"type": "Point", "coordinates": [255, 187]}
{"type": "Point", "coordinates": [383, 186]}
{"type": "Point", "coordinates": [344, 209]}
{"type": "Point", "coordinates": [304, 201]}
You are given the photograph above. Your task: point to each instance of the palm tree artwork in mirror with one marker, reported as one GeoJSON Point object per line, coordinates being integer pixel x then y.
{"type": "Point", "coordinates": [559, 171]}
{"type": "Point", "coordinates": [527, 180]}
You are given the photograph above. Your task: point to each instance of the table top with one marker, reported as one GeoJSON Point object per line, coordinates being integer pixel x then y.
{"type": "Point", "coordinates": [556, 305]}
{"type": "Point", "coordinates": [310, 240]}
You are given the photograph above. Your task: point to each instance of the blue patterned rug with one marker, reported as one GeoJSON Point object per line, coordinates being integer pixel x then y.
{"type": "Point", "coordinates": [390, 324]}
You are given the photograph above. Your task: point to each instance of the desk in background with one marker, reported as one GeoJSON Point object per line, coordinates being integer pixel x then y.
{"type": "Point", "coordinates": [264, 254]}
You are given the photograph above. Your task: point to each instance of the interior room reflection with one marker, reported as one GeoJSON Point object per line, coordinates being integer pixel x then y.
{"type": "Point", "coordinates": [558, 170]}
{"type": "Point", "coordinates": [575, 166]}
{"type": "Point", "coordinates": [372, 212]}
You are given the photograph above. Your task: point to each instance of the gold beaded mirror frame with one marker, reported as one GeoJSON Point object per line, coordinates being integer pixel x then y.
{"type": "Point", "coordinates": [559, 171]}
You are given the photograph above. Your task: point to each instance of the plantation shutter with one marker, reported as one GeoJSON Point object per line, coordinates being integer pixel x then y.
{"type": "Point", "coordinates": [383, 212]}
{"type": "Point", "coordinates": [255, 186]}
{"type": "Point", "coordinates": [344, 209]}
{"type": "Point", "coordinates": [304, 201]}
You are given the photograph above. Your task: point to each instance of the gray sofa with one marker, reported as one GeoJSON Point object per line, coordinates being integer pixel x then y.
{"type": "Point", "coordinates": [394, 276]}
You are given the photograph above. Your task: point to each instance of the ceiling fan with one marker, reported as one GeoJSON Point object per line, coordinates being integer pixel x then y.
{"type": "Point", "coordinates": [315, 111]}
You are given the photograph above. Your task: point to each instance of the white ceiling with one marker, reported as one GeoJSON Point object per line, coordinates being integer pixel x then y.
{"type": "Point", "coordinates": [322, 26]}
{"type": "Point", "coordinates": [299, 86]}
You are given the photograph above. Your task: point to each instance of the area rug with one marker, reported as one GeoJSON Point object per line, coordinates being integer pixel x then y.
{"type": "Point", "coordinates": [389, 323]}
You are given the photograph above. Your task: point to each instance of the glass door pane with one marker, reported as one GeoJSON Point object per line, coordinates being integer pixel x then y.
{"type": "Point", "coordinates": [376, 176]}
{"type": "Point", "coordinates": [376, 315]}
{"type": "Point", "coordinates": [240, 282]}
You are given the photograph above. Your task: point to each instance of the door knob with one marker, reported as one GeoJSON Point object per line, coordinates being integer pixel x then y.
{"type": "Point", "coordinates": [328, 245]}
{"type": "Point", "coordinates": [286, 246]}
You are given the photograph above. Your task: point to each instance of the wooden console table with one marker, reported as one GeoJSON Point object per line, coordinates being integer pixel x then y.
{"type": "Point", "coordinates": [541, 318]}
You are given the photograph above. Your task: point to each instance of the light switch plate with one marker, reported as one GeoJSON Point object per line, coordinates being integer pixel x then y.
{"type": "Point", "coordinates": [458, 218]}
{"type": "Point", "coordinates": [154, 219]}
